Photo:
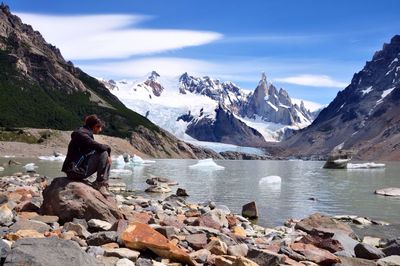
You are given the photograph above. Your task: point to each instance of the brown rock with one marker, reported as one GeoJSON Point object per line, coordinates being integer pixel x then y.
{"type": "Point", "coordinates": [139, 217]}
{"type": "Point", "coordinates": [232, 221]}
{"type": "Point", "coordinates": [239, 231]}
{"type": "Point", "coordinates": [192, 213]}
{"type": "Point", "coordinates": [172, 221]}
{"type": "Point", "coordinates": [110, 246]}
{"type": "Point", "coordinates": [48, 219]}
{"type": "Point", "coordinates": [26, 206]}
{"type": "Point", "coordinates": [315, 254]}
{"type": "Point", "coordinates": [207, 221]}
{"type": "Point", "coordinates": [329, 244]}
{"type": "Point", "coordinates": [24, 234]}
{"type": "Point", "coordinates": [318, 224]}
{"type": "Point", "coordinates": [27, 215]}
{"type": "Point", "coordinates": [249, 210]}
{"type": "Point", "coordinates": [345, 261]}
{"type": "Point", "coordinates": [197, 241]}
{"type": "Point", "coordinates": [217, 247]}
{"type": "Point", "coordinates": [141, 236]}
{"type": "Point", "coordinates": [68, 199]}
{"type": "Point", "coordinates": [200, 256]}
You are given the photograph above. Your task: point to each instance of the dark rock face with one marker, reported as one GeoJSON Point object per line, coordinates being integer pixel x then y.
{"type": "Point", "coordinates": [274, 106]}
{"type": "Point", "coordinates": [52, 92]}
{"type": "Point", "coordinates": [68, 199]}
{"type": "Point", "coordinates": [365, 251]}
{"type": "Point", "coordinates": [225, 128]}
{"type": "Point", "coordinates": [363, 116]}
{"type": "Point", "coordinates": [152, 82]}
{"type": "Point", "coordinates": [48, 252]}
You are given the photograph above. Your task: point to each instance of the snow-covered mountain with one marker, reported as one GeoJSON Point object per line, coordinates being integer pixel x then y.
{"type": "Point", "coordinates": [202, 108]}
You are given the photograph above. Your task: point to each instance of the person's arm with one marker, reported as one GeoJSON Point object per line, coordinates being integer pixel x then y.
{"type": "Point", "coordinates": [91, 144]}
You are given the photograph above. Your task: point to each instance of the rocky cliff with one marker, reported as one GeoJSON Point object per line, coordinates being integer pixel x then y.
{"type": "Point", "coordinates": [364, 116]}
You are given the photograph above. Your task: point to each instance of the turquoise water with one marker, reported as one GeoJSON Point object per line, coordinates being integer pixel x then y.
{"type": "Point", "coordinates": [337, 191]}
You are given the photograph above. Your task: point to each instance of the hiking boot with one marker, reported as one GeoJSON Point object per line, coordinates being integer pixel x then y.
{"type": "Point", "coordinates": [102, 187]}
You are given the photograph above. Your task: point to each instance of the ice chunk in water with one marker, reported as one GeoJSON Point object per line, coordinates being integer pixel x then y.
{"type": "Point", "coordinates": [207, 164]}
{"type": "Point", "coordinates": [120, 172]}
{"type": "Point", "coordinates": [59, 158]}
{"type": "Point", "coordinates": [370, 165]}
{"type": "Point", "coordinates": [272, 179]}
{"type": "Point", "coordinates": [137, 160]}
{"type": "Point", "coordinates": [30, 167]}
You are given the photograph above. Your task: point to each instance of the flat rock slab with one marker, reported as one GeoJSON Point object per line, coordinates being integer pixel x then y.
{"type": "Point", "coordinates": [30, 225]}
{"type": "Point", "coordinates": [390, 191]}
{"type": "Point", "coordinates": [48, 252]}
{"type": "Point", "coordinates": [317, 224]}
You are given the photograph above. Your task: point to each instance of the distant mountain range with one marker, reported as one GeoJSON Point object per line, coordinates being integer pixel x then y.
{"type": "Point", "coordinates": [207, 109]}
{"type": "Point", "coordinates": [365, 116]}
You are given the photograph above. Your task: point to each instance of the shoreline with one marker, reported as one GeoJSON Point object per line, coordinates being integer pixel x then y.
{"type": "Point", "coordinates": [193, 232]}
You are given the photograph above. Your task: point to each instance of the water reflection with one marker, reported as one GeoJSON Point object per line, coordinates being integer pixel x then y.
{"type": "Point", "coordinates": [335, 191]}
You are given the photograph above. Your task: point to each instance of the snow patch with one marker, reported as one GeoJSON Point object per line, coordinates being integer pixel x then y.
{"type": "Point", "coordinates": [207, 165]}
{"type": "Point", "coordinates": [367, 90]}
{"type": "Point", "coordinates": [223, 147]}
{"type": "Point", "coordinates": [273, 106]}
{"type": "Point", "coordinates": [384, 94]}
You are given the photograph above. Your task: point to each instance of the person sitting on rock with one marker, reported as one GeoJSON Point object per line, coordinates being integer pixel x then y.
{"type": "Point", "coordinates": [86, 156]}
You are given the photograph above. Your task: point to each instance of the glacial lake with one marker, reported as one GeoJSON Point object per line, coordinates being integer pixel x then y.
{"type": "Point", "coordinates": [336, 192]}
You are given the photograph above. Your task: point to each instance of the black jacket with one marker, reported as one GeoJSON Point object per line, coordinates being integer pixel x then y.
{"type": "Point", "coordinates": [82, 142]}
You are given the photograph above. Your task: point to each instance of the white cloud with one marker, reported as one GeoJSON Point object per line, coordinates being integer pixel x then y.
{"type": "Point", "coordinates": [84, 37]}
{"type": "Point", "coordinates": [313, 81]}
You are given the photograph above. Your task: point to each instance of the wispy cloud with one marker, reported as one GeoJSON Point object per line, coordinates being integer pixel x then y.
{"type": "Point", "coordinates": [276, 38]}
{"type": "Point", "coordinates": [83, 37]}
{"type": "Point", "coordinates": [313, 81]}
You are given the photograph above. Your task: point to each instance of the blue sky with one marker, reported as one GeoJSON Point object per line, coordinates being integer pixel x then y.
{"type": "Point", "coordinates": [310, 48]}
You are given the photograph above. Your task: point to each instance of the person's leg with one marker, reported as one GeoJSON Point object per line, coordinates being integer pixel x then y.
{"type": "Point", "coordinates": [103, 168]}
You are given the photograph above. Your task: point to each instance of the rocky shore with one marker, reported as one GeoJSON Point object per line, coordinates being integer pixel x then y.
{"type": "Point", "coordinates": [62, 222]}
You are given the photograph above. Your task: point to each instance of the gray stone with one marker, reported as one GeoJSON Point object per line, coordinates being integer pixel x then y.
{"type": "Point", "coordinates": [79, 229]}
{"type": "Point", "coordinates": [6, 215]}
{"type": "Point", "coordinates": [95, 251]}
{"type": "Point", "coordinates": [389, 261]}
{"type": "Point", "coordinates": [144, 262]}
{"type": "Point", "coordinates": [218, 216]}
{"type": "Point", "coordinates": [122, 253]}
{"type": "Point", "coordinates": [30, 225]}
{"type": "Point", "coordinates": [200, 256]}
{"type": "Point", "coordinates": [101, 238]}
{"type": "Point", "coordinates": [99, 224]}
{"type": "Point", "coordinates": [81, 222]}
{"type": "Point", "coordinates": [124, 262]}
{"type": "Point", "coordinates": [48, 252]}
{"type": "Point", "coordinates": [5, 247]}
{"type": "Point", "coordinates": [265, 258]}
{"type": "Point", "coordinates": [347, 243]}
{"type": "Point", "coordinates": [365, 251]}
{"type": "Point", "coordinates": [167, 231]}
{"type": "Point", "coordinates": [238, 250]}
{"type": "Point", "coordinates": [197, 241]}
{"type": "Point", "coordinates": [392, 248]}
{"type": "Point", "coordinates": [159, 188]}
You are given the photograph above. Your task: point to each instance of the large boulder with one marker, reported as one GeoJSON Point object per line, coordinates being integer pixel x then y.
{"type": "Point", "coordinates": [314, 254]}
{"type": "Point", "coordinates": [141, 237]}
{"type": "Point", "coordinates": [70, 199]}
{"type": "Point", "coordinates": [318, 224]}
{"type": "Point", "coordinates": [48, 252]}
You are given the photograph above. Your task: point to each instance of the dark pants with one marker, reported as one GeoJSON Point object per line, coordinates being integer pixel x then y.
{"type": "Point", "coordinates": [98, 162]}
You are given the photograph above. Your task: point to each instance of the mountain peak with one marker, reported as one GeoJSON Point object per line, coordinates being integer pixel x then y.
{"type": "Point", "coordinates": [153, 76]}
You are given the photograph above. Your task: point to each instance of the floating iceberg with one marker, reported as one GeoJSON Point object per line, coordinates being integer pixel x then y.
{"type": "Point", "coordinates": [121, 172]}
{"type": "Point", "coordinates": [272, 179]}
{"type": "Point", "coordinates": [1, 168]}
{"type": "Point", "coordinates": [207, 164]}
{"type": "Point", "coordinates": [59, 158]}
{"type": "Point", "coordinates": [137, 160]}
{"type": "Point", "coordinates": [30, 167]}
{"type": "Point", "coordinates": [370, 165]}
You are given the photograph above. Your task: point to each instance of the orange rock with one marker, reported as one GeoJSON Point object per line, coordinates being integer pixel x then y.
{"type": "Point", "coordinates": [141, 236]}
{"type": "Point", "coordinates": [232, 221]}
{"type": "Point", "coordinates": [24, 234]}
{"type": "Point", "coordinates": [139, 217]}
{"type": "Point", "coordinates": [239, 231]}
{"type": "Point", "coordinates": [312, 253]}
